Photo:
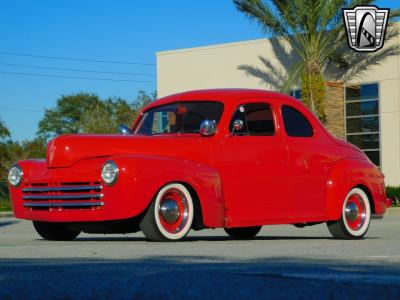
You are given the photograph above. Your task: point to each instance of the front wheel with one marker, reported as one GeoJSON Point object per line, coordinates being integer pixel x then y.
{"type": "Point", "coordinates": [243, 233]}
{"type": "Point", "coordinates": [355, 219]}
{"type": "Point", "coordinates": [170, 215]}
{"type": "Point", "coordinates": [54, 231]}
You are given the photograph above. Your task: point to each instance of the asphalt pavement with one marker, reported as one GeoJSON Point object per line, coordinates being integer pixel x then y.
{"type": "Point", "coordinates": [283, 262]}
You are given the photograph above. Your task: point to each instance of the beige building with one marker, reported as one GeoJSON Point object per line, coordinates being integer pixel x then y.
{"type": "Point", "coordinates": [364, 110]}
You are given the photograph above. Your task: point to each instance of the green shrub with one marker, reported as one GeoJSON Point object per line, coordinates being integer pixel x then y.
{"type": "Point", "coordinates": [5, 204]}
{"type": "Point", "coordinates": [393, 192]}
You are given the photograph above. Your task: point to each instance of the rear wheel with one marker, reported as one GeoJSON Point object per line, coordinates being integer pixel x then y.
{"type": "Point", "coordinates": [355, 219]}
{"type": "Point", "coordinates": [54, 231]}
{"type": "Point", "coordinates": [243, 233]}
{"type": "Point", "coordinates": [170, 215]}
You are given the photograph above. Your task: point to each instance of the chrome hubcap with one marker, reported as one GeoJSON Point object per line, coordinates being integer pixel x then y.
{"type": "Point", "coordinates": [173, 210]}
{"type": "Point", "coordinates": [352, 212]}
{"type": "Point", "coordinates": [170, 211]}
{"type": "Point", "coordinates": [355, 212]}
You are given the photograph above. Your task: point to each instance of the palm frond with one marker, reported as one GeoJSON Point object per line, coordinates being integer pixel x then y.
{"type": "Point", "coordinates": [361, 62]}
{"type": "Point", "coordinates": [259, 12]}
{"type": "Point", "coordinates": [293, 76]}
{"type": "Point", "coordinates": [270, 76]}
{"type": "Point", "coordinates": [394, 13]}
{"type": "Point", "coordinates": [315, 33]}
{"type": "Point", "coordinates": [360, 2]}
{"type": "Point", "coordinates": [331, 14]}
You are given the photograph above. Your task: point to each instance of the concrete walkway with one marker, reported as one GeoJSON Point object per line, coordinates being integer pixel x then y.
{"type": "Point", "coordinates": [282, 262]}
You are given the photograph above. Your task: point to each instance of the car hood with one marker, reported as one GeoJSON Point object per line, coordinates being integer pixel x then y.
{"type": "Point", "coordinates": [65, 150]}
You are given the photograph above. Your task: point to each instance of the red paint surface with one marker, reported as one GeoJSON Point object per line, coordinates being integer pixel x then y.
{"type": "Point", "coordinates": [239, 180]}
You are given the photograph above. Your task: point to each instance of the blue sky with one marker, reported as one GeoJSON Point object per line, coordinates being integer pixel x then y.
{"type": "Point", "coordinates": [128, 31]}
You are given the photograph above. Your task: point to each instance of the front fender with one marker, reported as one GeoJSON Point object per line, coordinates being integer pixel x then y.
{"type": "Point", "coordinates": [142, 176]}
{"type": "Point", "coordinates": [349, 173]}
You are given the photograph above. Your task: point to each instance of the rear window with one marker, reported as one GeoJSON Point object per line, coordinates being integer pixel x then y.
{"type": "Point", "coordinates": [296, 124]}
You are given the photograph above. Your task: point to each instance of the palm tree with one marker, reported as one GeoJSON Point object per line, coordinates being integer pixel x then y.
{"type": "Point", "coordinates": [315, 33]}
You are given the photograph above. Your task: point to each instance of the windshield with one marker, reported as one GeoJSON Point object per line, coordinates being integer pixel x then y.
{"type": "Point", "coordinates": [181, 117]}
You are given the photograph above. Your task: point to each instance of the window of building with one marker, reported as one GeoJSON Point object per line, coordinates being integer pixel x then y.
{"type": "Point", "coordinates": [295, 94]}
{"type": "Point", "coordinates": [257, 120]}
{"type": "Point", "coordinates": [296, 124]}
{"type": "Point", "coordinates": [362, 119]}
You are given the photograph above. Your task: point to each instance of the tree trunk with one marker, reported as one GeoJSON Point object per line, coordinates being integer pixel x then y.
{"type": "Point", "coordinates": [313, 92]}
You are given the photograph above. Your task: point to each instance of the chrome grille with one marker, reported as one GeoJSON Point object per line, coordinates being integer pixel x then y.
{"type": "Point", "coordinates": [67, 195]}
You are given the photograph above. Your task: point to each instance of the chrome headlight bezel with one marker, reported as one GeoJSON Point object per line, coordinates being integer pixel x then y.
{"type": "Point", "coordinates": [15, 170]}
{"type": "Point", "coordinates": [109, 167]}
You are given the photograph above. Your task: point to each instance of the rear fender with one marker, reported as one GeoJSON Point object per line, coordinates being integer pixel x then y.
{"type": "Point", "coordinates": [349, 173]}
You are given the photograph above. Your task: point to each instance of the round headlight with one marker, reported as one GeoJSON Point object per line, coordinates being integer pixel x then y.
{"type": "Point", "coordinates": [109, 173]}
{"type": "Point", "coordinates": [15, 175]}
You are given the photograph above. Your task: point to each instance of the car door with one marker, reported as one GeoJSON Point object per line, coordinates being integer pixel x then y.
{"type": "Point", "coordinates": [309, 165]}
{"type": "Point", "coordinates": [254, 166]}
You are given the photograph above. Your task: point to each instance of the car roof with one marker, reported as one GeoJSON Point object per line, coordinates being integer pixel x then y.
{"type": "Point", "coordinates": [222, 95]}
{"type": "Point", "coordinates": [230, 95]}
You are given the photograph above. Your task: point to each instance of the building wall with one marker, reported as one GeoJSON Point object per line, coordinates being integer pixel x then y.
{"type": "Point", "coordinates": [213, 67]}
{"type": "Point", "coordinates": [387, 75]}
{"type": "Point", "coordinates": [218, 66]}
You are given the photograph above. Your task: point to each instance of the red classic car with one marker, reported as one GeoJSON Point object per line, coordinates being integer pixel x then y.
{"type": "Point", "coordinates": [235, 159]}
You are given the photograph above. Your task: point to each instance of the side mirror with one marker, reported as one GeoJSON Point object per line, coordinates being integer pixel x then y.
{"type": "Point", "coordinates": [237, 125]}
{"type": "Point", "coordinates": [208, 128]}
{"type": "Point", "coordinates": [125, 130]}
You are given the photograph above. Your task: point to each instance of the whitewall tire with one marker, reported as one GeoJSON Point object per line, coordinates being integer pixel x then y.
{"type": "Point", "coordinates": [170, 215]}
{"type": "Point", "coordinates": [355, 218]}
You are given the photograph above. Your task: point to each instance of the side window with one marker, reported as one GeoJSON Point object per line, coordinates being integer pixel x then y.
{"type": "Point", "coordinates": [296, 124]}
{"type": "Point", "coordinates": [257, 120]}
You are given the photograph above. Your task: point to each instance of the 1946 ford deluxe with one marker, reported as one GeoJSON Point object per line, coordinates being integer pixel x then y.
{"type": "Point", "coordinates": [235, 159]}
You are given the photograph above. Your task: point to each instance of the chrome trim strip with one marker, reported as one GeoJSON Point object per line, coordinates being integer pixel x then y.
{"type": "Point", "coordinates": [62, 197]}
{"type": "Point", "coordinates": [63, 188]}
{"type": "Point", "coordinates": [364, 133]}
{"type": "Point", "coordinates": [362, 116]}
{"type": "Point", "coordinates": [76, 204]}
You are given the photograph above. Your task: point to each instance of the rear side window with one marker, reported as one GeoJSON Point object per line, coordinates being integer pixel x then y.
{"type": "Point", "coordinates": [257, 120]}
{"type": "Point", "coordinates": [296, 124]}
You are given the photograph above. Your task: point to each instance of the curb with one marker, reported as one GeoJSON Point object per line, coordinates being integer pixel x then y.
{"type": "Point", "coordinates": [6, 214]}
